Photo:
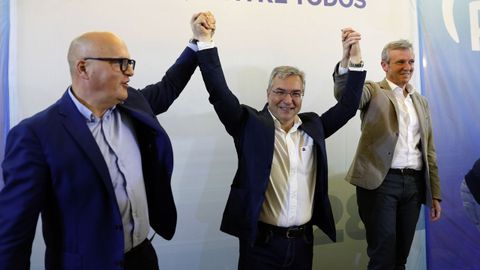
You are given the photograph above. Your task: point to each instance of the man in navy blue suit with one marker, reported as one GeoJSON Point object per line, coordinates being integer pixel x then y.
{"type": "Point", "coordinates": [470, 192]}
{"type": "Point", "coordinates": [280, 188]}
{"type": "Point", "coordinates": [96, 165]}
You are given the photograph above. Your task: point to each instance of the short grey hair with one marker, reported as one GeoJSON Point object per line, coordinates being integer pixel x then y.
{"type": "Point", "coordinates": [401, 44]}
{"type": "Point", "coordinates": [283, 72]}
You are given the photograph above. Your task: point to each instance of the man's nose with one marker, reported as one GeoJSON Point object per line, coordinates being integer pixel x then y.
{"type": "Point", "coordinates": [288, 98]}
{"type": "Point", "coordinates": [129, 72]}
{"type": "Point", "coordinates": [408, 65]}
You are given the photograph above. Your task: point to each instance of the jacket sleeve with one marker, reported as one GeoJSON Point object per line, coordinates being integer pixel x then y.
{"type": "Point", "coordinates": [162, 94]}
{"type": "Point", "coordinates": [339, 88]}
{"type": "Point", "coordinates": [23, 196]}
{"type": "Point", "coordinates": [350, 92]}
{"type": "Point", "coordinates": [432, 160]}
{"type": "Point", "coordinates": [225, 103]}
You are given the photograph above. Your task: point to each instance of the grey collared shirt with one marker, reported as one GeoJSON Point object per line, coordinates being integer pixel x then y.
{"type": "Point", "coordinates": [116, 139]}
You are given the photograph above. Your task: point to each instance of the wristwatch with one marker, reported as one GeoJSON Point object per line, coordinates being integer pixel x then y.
{"type": "Point", "coordinates": [357, 65]}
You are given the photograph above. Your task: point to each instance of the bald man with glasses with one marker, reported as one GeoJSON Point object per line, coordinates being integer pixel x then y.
{"type": "Point", "coordinates": [96, 165]}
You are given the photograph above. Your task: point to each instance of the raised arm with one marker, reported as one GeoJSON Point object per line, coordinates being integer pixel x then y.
{"type": "Point", "coordinates": [162, 94]}
{"type": "Point", "coordinates": [349, 88]}
{"type": "Point", "coordinates": [351, 58]}
{"type": "Point", "coordinates": [225, 103]}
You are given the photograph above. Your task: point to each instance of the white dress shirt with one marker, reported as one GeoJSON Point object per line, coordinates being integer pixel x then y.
{"type": "Point", "coordinates": [407, 153]}
{"type": "Point", "coordinates": [289, 196]}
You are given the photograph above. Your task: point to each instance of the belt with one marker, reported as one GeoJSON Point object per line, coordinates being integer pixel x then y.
{"type": "Point", "coordinates": [405, 171]}
{"type": "Point", "coordinates": [287, 232]}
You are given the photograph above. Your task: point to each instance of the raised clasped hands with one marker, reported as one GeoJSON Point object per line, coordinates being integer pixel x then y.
{"type": "Point", "coordinates": [203, 26]}
{"type": "Point", "coordinates": [351, 46]}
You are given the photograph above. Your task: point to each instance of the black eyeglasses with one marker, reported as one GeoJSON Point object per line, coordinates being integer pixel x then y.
{"type": "Point", "coordinates": [295, 94]}
{"type": "Point", "coordinates": [123, 62]}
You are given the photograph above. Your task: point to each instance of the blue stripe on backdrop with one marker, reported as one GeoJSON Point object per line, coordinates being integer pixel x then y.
{"type": "Point", "coordinates": [450, 82]}
{"type": "Point", "coordinates": [4, 45]}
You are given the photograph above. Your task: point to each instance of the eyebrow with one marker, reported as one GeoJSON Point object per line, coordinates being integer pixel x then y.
{"type": "Point", "coordinates": [293, 90]}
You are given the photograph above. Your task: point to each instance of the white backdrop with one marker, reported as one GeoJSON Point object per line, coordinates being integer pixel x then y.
{"type": "Point", "coordinates": [253, 37]}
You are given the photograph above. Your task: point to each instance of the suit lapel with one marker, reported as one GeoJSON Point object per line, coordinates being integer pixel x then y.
{"type": "Point", "coordinates": [147, 119]}
{"type": "Point", "coordinates": [420, 114]}
{"type": "Point", "coordinates": [389, 92]}
{"type": "Point", "coordinates": [311, 130]}
{"type": "Point", "coordinates": [416, 103]}
{"type": "Point", "coordinates": [151, 133]}
{"type": "Point", "coordinates": [268, 118]}
{"type": "Point", "coordinates": [267, 135]}
{"type": "Point", "coordinates": [75, 125]}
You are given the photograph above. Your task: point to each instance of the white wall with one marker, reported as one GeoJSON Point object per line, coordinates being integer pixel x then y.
{"type": "Point", "coordinates": [253, 37]}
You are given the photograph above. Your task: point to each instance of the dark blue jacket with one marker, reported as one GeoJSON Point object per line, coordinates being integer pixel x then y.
{"type": "Point", "coordinates": [472, 179]}
{"type": "Point", "coordinates": [253, 134]}
{"type": "Point", "coordinates": [53, 166]}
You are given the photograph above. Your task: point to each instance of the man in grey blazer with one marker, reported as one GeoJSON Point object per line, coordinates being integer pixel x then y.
{"type": "Point", "coordinates": [395, 166]}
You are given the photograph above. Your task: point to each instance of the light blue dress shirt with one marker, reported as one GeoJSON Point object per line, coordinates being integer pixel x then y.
{"type": "Point", "coordinates": [116, 139]}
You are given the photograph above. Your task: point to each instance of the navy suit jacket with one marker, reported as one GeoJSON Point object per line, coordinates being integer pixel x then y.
{"type": "Point", "coordinates": [472, 179]}
{"type": "Point", "coordinates": [53, 166]}
{"type": "Point", "coordinates": [254, 133]}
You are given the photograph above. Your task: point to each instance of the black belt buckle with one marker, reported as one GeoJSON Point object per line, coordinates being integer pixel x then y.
{"type": "Point", "coordinates": [294, 232]}
{"type": "Point", "coordinates": [405, 171]}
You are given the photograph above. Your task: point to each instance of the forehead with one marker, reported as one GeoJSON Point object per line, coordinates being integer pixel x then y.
{"type": "Point", "coordinates": [292, 82]}
{"type": "Point", "coordinates": [401, 54]}
{"type": "Point", "coordinates": [107, 46]}
{"type": "Point", "coordinates": [113, 50]}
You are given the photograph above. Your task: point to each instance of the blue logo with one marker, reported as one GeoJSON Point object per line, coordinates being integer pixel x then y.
{"type": "Point", "coordinates": [474, 15]}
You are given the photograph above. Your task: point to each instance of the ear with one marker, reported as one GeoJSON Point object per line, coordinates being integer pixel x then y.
{"type": "Point", "coordinates": [81, 69]}
{"type": "Point", "coordinates": [384, 66]}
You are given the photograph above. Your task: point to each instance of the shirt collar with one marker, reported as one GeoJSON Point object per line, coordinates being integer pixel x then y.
{"type": "Point", "coordinates": [408, 87]}
{"type": "Point", "coordinates": [86, 112]}
{"type": "Point", "coordinates": [296, 122]}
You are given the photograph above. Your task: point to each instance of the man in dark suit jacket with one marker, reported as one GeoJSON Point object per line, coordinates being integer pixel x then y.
{"type": "Point", "coordinates": [395, 166]}
{"type": "Point", "coordinates": [96, 164]}
{"type": "Point", "coordinates": [280, 188]}
{"type": "Point", "coordinates": [470, 192]}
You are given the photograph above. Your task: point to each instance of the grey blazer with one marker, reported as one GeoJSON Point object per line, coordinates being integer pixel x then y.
{"type": "Point", "coordinates": [379, 136]}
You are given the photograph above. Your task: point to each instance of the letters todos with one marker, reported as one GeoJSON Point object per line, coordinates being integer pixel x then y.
{"type": "Point", "coordinates": [326, 3]}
